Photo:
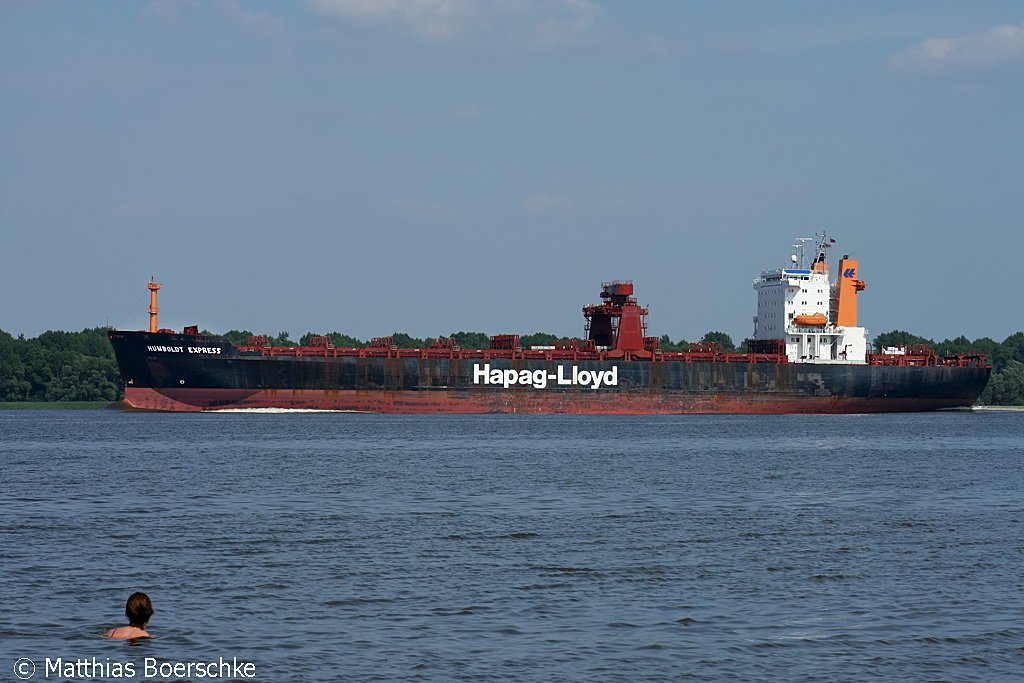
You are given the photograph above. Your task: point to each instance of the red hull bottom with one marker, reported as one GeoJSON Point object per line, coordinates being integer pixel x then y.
{"type": "Point", "coordinates": [439, 402]}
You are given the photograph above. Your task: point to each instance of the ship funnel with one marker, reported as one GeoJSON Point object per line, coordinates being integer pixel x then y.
{"type": "Point", "coordinates": [154, 287]}
{"type": "Point", "coordinates": [849, 286]}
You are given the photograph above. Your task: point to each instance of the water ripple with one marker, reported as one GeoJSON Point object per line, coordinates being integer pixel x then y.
{"type": "Point", "coordinates": [513, 548]}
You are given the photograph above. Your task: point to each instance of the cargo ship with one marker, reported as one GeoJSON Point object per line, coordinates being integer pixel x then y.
{"type": "Point", "coordinates": [807, 355]}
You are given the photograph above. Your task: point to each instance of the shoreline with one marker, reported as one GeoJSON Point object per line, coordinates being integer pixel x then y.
{"type": "Point", "coordinates": [54, 405]}
{"type": "Point", "coordinates": [101, 405]}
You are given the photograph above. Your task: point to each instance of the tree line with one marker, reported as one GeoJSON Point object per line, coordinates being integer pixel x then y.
{"type": "Point", "coordinates": [59, 366]}
{"type": "Point", "coordinates": [80, 366]}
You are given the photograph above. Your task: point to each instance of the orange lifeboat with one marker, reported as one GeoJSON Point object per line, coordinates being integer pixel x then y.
{"type": "Point", "coordinates": [811, 320]}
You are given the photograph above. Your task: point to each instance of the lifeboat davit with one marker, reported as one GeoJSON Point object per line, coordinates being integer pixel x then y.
{"type": "Point", "coordinates": [811, 320]}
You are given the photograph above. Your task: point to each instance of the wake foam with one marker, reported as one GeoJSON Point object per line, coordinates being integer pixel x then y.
{"type": "Point", "coordinates": [277, 411]}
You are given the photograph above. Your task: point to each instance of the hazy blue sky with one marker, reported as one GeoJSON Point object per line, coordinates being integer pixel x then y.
{"type": "Point", "coordinates": [372, 166]}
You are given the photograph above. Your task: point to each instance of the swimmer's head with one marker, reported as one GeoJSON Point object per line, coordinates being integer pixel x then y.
{"type": "Point", "coordinates": [138, 609]}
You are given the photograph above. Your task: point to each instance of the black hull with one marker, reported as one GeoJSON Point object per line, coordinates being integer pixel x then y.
{"type": "Point", "coordinates": [164, 371]}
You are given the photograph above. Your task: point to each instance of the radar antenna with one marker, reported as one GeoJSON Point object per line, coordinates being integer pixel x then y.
{"type": "Point", "coordinates": [824, 242]}
{"type": "Point", "coordinates": [800, 261]}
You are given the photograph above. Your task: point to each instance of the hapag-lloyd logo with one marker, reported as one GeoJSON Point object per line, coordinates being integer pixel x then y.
{"type": "Point", "coordinates": [538, 379]}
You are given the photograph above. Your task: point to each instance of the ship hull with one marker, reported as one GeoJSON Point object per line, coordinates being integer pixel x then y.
{"type": "Point", "coordinates": [172, 372]}
{"type": "Point", "coordinates": [422, 402]}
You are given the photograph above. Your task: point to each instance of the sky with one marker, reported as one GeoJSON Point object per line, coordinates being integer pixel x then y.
{"type": "Point", "coordinates": [430, 166]}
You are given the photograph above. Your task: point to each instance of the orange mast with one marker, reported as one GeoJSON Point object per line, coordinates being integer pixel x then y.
{"type": "Point", "coordinates": [154, 287]}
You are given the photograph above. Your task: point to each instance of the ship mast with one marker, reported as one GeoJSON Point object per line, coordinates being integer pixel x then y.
{"type": "Point", "coordinates": [154, 287]}
{"type": "Point", "coordinates": [801, 261]}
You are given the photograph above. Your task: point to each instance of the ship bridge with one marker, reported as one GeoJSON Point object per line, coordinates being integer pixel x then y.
{"type": "Point", "coordinates": [814, 316]}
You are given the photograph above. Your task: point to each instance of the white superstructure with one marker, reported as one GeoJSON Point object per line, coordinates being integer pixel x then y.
{"type": "Point", "coordinates": [800, 305]}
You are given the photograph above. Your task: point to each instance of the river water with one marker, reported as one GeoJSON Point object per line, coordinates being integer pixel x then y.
{"type": "Point", "coordinates": [352, 547]}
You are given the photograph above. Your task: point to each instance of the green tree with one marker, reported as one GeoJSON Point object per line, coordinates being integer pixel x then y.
{"type": "Point", "coordinates": [951, 347]}
{"type": "Point", "coordinates": [404, 341]}
{"type": "Point", "coordinates": [38, 372]}
{"type": "Point", "coordinates": [989, 347]}
{"type": "Point", "coordinates": [665, 343]}
{"type": "Point", "coordinates": [238, 337]}
{"type": "Point", "coordinates": [899, 338]}
{"type": "Point", "coordinates": [85, 378]}
{"type": "Point", "coordinates": [720, 337]}
{"type": "Point", "coordinates": [59, 365]}
{"type": "Point", "coordinates": [537, 339]}
{"type": "Point", "coordinates": [13, 385]}
{"type": "Point", "coordinates": [345, 341]}
{"type": "Point", "coordinates": [1006, 386]}
{"type": "Point", "coordinates": [1013, 346]}
{"type": "Point", "coordinates": [471, 340]}
{"type": "Point", "coordinates": [282, 339]}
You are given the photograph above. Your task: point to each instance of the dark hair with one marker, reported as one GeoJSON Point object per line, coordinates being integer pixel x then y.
{"type": "Point", "coordinates": [138, 609]}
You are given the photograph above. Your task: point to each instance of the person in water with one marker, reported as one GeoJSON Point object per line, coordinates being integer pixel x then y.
{"type": "Point", "coordinates": [138, 609]}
